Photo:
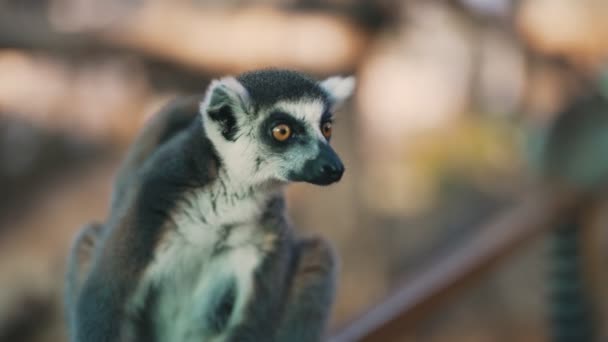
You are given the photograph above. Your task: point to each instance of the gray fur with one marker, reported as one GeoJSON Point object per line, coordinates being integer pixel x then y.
{"type": "Point", "coordinates": [197, 249]}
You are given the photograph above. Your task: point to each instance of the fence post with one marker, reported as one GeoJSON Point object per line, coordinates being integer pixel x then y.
{"type": "Point", "coordinates": [574, 153]}
{"type": "Point", "coordinates": [571, 307]}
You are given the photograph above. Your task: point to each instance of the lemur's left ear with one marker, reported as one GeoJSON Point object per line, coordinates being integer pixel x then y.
{"type": "Point", "coordinates": [226, 91]}
{"type": "Point", "coordinates": [338, 88]}
{"type": "Point", "coordinates": [226, 100]}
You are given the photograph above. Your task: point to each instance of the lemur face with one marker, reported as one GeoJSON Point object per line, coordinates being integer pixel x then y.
{"type": "Point", "coordinates": [275, 125]}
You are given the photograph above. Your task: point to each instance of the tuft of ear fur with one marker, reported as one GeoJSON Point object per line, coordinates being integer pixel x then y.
{"type": "Point", "coordinates": [338, 88]}
{"type": "Point", "coordinates": [225, 91]}
{"type": "Point", "coordinates": [225, 99]}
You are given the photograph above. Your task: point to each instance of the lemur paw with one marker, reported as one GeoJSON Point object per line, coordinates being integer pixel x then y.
{"type": "Point", "coordinates": [316, 256]}
{"type": "Point", "coordinates": [85, 241]}
{"type": "Point", "coordinates": [83, 250]}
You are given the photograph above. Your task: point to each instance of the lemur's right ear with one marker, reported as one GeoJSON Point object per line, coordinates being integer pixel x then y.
{"type": "Point", "coordinates": [225, 101]}
{"type": "Point", "coordinates": [338, 88]}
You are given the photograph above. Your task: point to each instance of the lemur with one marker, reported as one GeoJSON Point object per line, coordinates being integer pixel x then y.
{"type": "Point", "coordinates": [197, 245]}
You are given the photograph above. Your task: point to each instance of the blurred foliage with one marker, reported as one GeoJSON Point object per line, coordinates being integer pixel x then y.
{"type": "Point", "coordinates": [476, 148]}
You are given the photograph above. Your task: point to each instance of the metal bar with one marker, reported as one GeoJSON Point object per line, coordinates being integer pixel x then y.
{"type": "Point", "coordinates": [436, 284]}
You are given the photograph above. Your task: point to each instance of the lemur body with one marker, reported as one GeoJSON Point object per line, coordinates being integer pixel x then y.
{"type": "Point", "coordinates": [197, 246]}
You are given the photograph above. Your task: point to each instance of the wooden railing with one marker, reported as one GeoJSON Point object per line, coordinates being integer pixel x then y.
{"type": "Point", "coordinates": [456, 271]}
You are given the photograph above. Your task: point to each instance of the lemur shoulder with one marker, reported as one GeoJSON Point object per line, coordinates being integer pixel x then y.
{"type": "Point", "coordinates": [197, 246]}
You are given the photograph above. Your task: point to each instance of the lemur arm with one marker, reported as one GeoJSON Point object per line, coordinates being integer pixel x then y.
{"type": "Point", "coordinates": [311, 295]}
{"type": "Point", "coordinates": [88, 300]}
{"type": "Point", "coordinates": [176, 115]}
{"type": "Point", "coordinates": [101, 309]}
{"type": "Point", "coordinates": [79, 264]}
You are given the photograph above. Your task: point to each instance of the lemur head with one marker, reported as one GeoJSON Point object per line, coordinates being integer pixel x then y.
{"type": "Point", "coordinates": [275, 125]}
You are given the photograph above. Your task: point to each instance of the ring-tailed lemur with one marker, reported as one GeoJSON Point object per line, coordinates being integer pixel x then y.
{"type": "Point", "coordinates": [197, 246]}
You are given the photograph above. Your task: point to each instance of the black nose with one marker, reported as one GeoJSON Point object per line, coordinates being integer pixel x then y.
{"type": "Point", "coordinates": [325, 169]}
{"type": "Point", "coordinates": [333, 172]}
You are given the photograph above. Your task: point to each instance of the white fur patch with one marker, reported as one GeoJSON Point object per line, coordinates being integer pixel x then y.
{"type": "Point", "coordinates": [309, 111]}
{"type": "Point", "coordinates": [187, 273]}
{"type": "Point", "coordinates": [238, 157]}
{"type": "Point", "coordinates": [339, 88]}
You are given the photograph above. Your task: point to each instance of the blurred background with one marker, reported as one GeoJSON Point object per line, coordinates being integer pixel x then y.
{"type": "Point", "coordinates": [454, 101]}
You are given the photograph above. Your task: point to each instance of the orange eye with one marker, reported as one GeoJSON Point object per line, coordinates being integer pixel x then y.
{"type": "Point", "coordinates": [281, 132]}
{"type": "Point", "coordinates": [326, 129]}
